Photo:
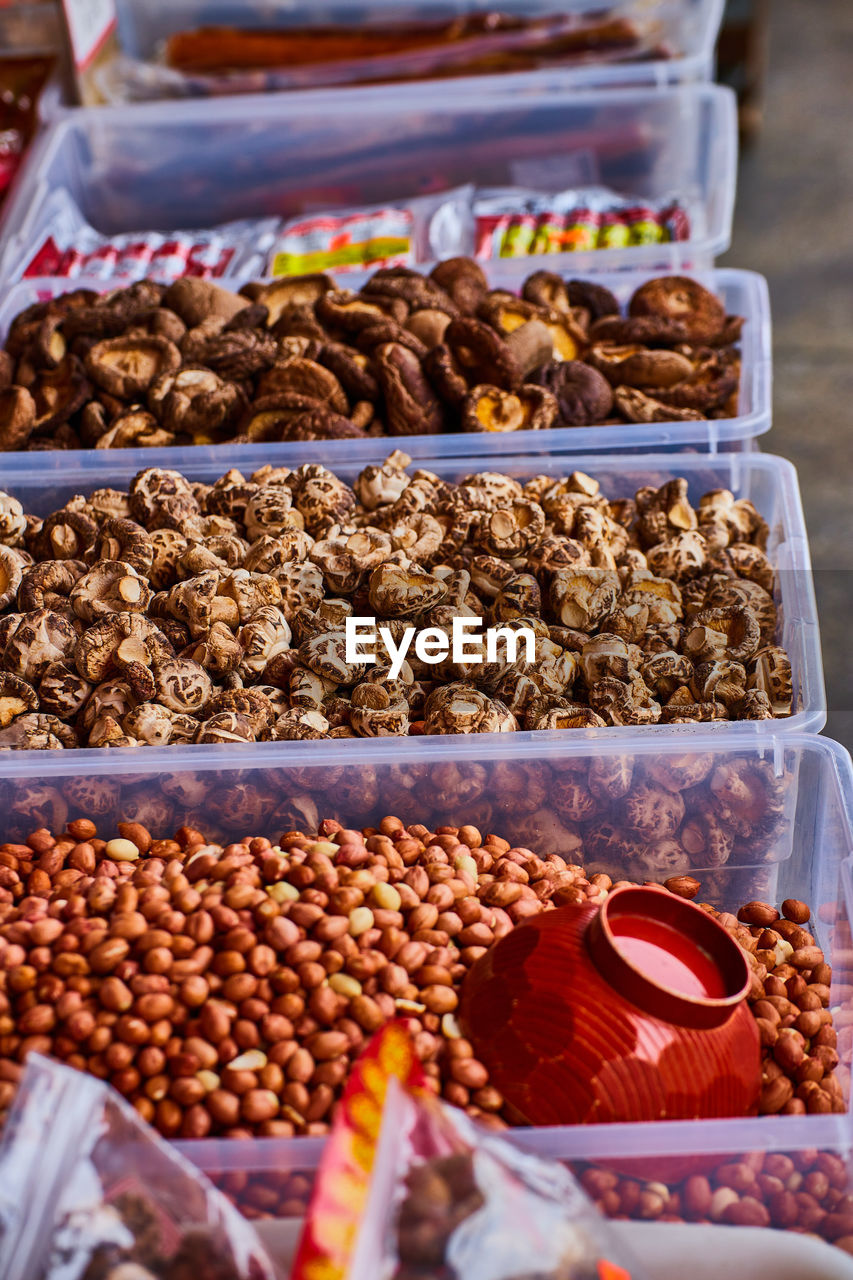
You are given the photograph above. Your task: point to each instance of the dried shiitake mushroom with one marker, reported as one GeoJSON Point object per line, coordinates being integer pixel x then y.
{"type": "Point", "coordinates": [127, 367]}
{"type": "Point", "coordinates": [17, 417]}
{"type": "Point", "coordinates": [583, 395]}
{"type": "Point", "coordinates": [529, 408]}
{"type": "Point", "coordinates": [681, 301]}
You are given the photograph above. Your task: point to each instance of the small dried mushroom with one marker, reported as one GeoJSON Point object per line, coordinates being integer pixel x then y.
{"type": "Point", "coordinates": [217, 612]}
{"type": "Point", "coordinates": [407, 355]}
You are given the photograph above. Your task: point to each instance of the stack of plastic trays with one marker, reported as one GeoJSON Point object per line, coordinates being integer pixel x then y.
{"type": "Point", "coordinates": [135, 167]}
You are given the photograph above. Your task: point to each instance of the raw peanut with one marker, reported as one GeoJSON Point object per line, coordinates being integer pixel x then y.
{"type": "Point", "coordinates": [836, 1225]}
{"type": "Point", "coordinates": [254, 972]}
{"type": "Point", "coordinates": [808, 1023]}
{"type": "Point", "coordinates": [360, 920]}
{"type": "Point", "coordinates": [816, 1099]}
{"type": "Point", "coordinates": [423, 917]}
{"type": "Point", "coordinates": [681, 886]}
{"type": "Point", "coordinates": [440, 999]}
{"type": "Point", "coordinates": [412, 955]}
{"type": "Point", "coordinates": [469, 1072]}
{"type": "Point", "coordinates": [739, 1176]}
{"type": "Point", "coordinates": [697, 1196]}
{"type": "Point", "coordinates": [107, 955]}
{"type": "Point", "coordinates": [326, 1045]}
{"type": "Point", "coordinates": [793, 909]}
{"type": "Point", "coordinates": [764, 1009]}
{"type": "Point", "coordinates": [774, 1095]}
{"type": "Point", "coordinates": [747, 1212]}
{"type": "Point", "coordinates": [122, 850]}
{"type": "Point", "coordinates": [722, 1200]}
{"type": "Point", "coordinates": [768, 1032]}
{"type": "Point", "coordinates": [366, 1013]}
{"type": "Point", "coordinates": [789, 1049]}
{"type": "Point", "coordinates": [259, 1104]}
{"type": "Point", "coordinates": [760, 913]}
{"type": "Point", "coordinates": [806, 957]}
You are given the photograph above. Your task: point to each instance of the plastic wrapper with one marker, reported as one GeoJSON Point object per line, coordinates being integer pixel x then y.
{"type": "Point", "coordinates": [88, 1191]}
{"type": "Point", "coordinates": [69, 247]}
{"type": "Point", "coordinates": [208, 61]}
{"type": "Point", "coordinates": [511, 222]}
{"type": "Point", "coordinates": [390, 235]}
{"type": "Point", "coordinates": [410, 1188]}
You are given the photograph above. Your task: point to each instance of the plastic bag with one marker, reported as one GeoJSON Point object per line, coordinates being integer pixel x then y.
{"type": "Point", "coordinates": [410, 1188]}
{"type": "Point", "coordinates": [86, 1186]}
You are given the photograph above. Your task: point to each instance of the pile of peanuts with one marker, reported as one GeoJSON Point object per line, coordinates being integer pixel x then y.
{"type": "Point", "coordinates": [792, 982]}
{"type": "Point", "coordinates": [227, 989]}
{"type": "Point", "coordinates": [804, 1191]}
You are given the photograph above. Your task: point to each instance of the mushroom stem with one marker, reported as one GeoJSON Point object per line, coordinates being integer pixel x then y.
{"type": "Point", "coordinates": [532, 345]}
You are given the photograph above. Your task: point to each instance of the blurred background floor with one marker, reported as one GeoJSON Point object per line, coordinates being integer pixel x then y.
{"type": "Point", "coordinates": [794, 223]}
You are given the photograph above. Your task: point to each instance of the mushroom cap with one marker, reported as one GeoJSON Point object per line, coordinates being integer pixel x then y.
{"type": "Point", "coordinates": [17, 417]}
{"type": "Point", "coordinates": [583, 395]}
{"type": "Point", "coordinates": [682, 300]}
{"type": "Point", "coordinates": [195, 300]}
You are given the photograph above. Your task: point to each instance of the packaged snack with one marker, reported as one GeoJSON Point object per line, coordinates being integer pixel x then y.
{"type": "Point", "coordinates": [511, 222]}
{"type": "Point", "coordinates": [88, 1191]}
{"type": "Point", "coordinates": [390, 235]}
{"type": "Point", "coordinates": [411, 1187]}
{"type": "Point", "coordinates": [71, 248]}
{"type": "Point", "coordinates": [508, 222]}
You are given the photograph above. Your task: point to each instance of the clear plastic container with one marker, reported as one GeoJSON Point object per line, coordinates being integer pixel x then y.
{"type": "Point", "coordinates": [490, 783]}
{"type": "Point", "coordinates": [208, 162]}
{"type": "Point", "coordinates": [687, 29]}
{"type": "Point", "coordinates": [271, 1177]}
{"type": "Point", "coordinates": [50, 479]}
{"type": "Point", "coordinates": [743, 292]}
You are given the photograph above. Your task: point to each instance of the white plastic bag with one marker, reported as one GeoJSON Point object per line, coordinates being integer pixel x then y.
{"type": "Point", "coordinates": [86, 1186]}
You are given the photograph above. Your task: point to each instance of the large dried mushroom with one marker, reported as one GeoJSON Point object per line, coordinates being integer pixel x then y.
{"type": "Point", "coordinates": [179, 611]}
{"type": "Point", "coordinates": [299, 359]}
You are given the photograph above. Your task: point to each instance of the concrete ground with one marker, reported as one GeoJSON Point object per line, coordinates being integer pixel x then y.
{"type": "Point", "coordinates": [794, 224]}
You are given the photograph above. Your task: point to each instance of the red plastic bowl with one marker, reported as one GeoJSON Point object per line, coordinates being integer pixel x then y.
{"type": "Point", "coordinates": [632, 1011]}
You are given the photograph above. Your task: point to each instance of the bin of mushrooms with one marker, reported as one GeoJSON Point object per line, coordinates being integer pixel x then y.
{"type": "Point", "coordinates": [179, 612]}
{"type": "Point", "coordinates": [299, 359]}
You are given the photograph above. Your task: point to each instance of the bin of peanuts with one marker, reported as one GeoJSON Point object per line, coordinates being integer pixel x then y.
{"type": "Point", "coordinates": [226, 983]}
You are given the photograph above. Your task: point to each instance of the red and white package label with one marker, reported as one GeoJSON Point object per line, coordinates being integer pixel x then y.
{"type": "Point", "coordinates": [89, 22]}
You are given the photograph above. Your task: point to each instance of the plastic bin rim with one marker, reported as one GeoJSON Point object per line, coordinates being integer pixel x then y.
{"type": "Point", "coordinates": [472, 92]}
{"type": "Point", "coordinates": [647, 1140]}
{"type": "Point", "coordinates": [539, 745]}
